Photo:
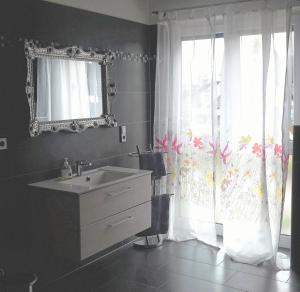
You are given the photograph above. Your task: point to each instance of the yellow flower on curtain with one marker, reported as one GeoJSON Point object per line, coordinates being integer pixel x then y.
{"type": "Point", "coordinates": [259, 190]}
{"type": "Point", "coordinates": [279, 193]}
{"type": "Point", "coordinates": [209, 178]}
{"type": "Point", "coordinates": [245, 140]}
{"type": "Point", "coordinates": [233, 171]}
{"type": "Point", "coordinates": [173, 175]}
{"type": "Point", "coordinates": [248, 173]}
{"type": "Point", "coordinates": [189, 134]}
{"type": "Point", "coordinates": [269, 140]}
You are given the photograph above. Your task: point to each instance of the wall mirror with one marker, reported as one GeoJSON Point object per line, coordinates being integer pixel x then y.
{"type": "Point", "coordinates": [68, 89]}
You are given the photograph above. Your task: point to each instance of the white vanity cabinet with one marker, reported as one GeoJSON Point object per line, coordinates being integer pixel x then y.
{"type": "Point", "coordinates": [83, 220]}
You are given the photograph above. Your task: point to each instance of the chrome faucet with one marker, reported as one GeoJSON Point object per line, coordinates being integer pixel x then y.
{"type": "Point", "coordinates": [80, 164]}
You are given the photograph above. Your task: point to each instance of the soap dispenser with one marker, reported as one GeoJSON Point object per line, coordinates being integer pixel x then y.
{"type": "Point", "coordinates": [66, 171]}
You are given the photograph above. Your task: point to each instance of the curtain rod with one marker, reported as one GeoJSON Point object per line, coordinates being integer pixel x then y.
{"type": "Point", "coordinates": [203, 6]}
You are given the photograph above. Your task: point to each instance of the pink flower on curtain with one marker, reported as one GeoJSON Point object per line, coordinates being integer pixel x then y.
{"type": "Point", "coordinates": [278, 150]}
{"type": "Point", "coordinates": [175, 146]}
{"type": "Point", "coordinates": [224, 154]}
{"type": "Point", "coordinates": [214, 148]}
{"type": "Point", "coordinates": [162, 144]}
{"type": "Point", "coordinates": [198, 143]}
{"type": "Point", "coordinates": [257, 149]}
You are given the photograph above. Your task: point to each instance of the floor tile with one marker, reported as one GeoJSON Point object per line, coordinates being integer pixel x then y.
{"type": "Point", "coordinates": [119, 285]}
{"type": "Point", "coordinates": [180, 283]}
{"type": "Point", "coordinates": [192, 242]}
{"type": "Point", "coordinates": [140, 273]}
{"type": "Point", "coordinates": [266, 270]}
{"type": "Point", "coordinates": [209, 255]}
{"type": "Point", "coordinates": [152, 258]}
{"type": "Point", "coordinates": [252, 283]}
{"type": "Point", "coordinates": [175, 267]}
{"type": "Point", "coordinates": [80, 281]}
{"type": "Point", "coordinates": [199, 270]}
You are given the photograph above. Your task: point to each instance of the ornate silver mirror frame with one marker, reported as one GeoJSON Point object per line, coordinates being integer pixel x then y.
{"type": "Point", "coordinates": [107, 119]}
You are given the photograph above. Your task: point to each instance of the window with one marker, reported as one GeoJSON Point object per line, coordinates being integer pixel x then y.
{"type": "Point", "coordinates": [197, 76]}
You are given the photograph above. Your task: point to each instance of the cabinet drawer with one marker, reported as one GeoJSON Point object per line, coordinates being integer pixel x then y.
{"type": "Point", "coordinates": [105, 202]}
{"type": "Point", "coordinates": [100, 235]}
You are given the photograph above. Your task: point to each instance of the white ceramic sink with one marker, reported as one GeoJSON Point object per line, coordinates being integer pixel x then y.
{"type": "Point", "coordinates": [92, 179]}
{"type": "Point", "coordinates": [96, 178]}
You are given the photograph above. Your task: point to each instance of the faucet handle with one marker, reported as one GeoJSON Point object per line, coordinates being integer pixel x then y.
{"type": "Point", "coordinates": [84, 162]}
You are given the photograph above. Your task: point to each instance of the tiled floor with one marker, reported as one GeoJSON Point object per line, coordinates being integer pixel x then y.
{"type": "Point", "coordinates": [176, 267]}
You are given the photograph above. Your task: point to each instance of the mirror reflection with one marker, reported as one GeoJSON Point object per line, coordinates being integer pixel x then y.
{"type": "Point", "coordinates": [68, 89]}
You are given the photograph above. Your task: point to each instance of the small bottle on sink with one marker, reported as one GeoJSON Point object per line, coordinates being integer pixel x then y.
{"type": "Point", "coordinates": [66, 171]}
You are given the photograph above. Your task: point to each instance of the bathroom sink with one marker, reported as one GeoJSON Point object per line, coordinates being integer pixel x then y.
{"type": "Point", "coordinates": [88, 213]}
{"type": "Point", "coordinates": [91, 180]}
{"type": "Point", "coordinates": [96, 178]}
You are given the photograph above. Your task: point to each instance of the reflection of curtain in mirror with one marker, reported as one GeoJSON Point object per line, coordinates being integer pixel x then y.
{"type": "Point", "coordinates": [95, 88]}
{"type": "Point", "coordinates": [68, 89]}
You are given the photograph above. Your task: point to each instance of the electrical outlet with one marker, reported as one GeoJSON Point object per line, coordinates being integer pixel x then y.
{"type": "Point", "coordinates": [3, 143]}
{"type": "Point", "coordinates": [123, 136]}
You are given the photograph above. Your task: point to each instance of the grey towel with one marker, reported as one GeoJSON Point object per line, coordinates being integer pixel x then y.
{"type": "Point", "coordinates": [159, 216]}
{"type": "Point", "coordinates": [153, 161]}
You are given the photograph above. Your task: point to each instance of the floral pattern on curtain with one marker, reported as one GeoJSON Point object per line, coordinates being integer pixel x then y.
{"type": "Point", "coordinates": [193, 152]}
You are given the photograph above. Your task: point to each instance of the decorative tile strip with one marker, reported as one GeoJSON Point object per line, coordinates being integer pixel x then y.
{"type": "Point", "coordinates": [6, 42]}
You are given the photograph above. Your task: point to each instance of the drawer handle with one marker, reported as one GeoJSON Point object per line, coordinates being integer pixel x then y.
{"type": "Point", "coordinates": [111, 225]}
{"type": "Point", "coordinates": [119, 192]}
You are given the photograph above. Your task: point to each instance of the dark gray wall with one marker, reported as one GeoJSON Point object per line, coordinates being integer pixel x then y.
{"type": "Point", "coordinates": [295, 240]}
{"type": "Point", "coordinates": [33, 159]}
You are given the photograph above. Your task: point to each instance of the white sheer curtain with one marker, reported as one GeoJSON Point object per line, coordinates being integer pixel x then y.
{"type": "Point", "coordinates": [184, 126]}
{"type": "Point", "coordinates": [252, 124]}
{"type": "Point", "coordinates": [251, 129]}
{"type": "Point", "coordinates": [68, 89]}
{"type": "Point", "coordinates": [228, 140]}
